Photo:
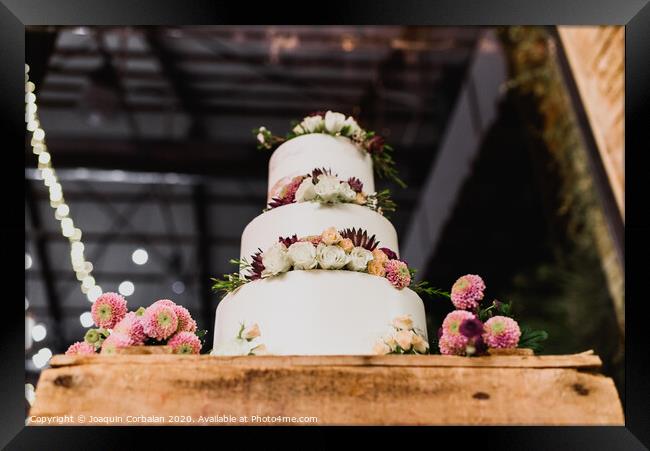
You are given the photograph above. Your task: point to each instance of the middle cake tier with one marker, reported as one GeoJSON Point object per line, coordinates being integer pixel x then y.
{"type": "Point", "coordinates": [312, 218]}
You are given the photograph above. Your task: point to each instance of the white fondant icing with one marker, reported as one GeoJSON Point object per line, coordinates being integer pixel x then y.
{"type": "Point", "coordinates": [317, 312]}
{"type": "Point", "coordinates": [312, 218]}
{"type": "Point", "coordinates": [300, 155]}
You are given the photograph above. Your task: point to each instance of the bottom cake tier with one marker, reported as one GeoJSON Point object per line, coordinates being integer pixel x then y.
{"type": "Point", "coordinates": [317, 312]}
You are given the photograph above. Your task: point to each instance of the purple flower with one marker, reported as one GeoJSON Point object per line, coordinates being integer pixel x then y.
{"type": "Point", "coordinates": [471, 328]}
{"type": "Point", "coordinates": [355, 184]}
{"type": "Point", "coordinates": [480, 345]}
{"type": "Point", "coordinates": [389, 253]}
{"type": "Point", "coordinates": [288, 241]}
{"type": "Point", "coordinates": [375, 145]}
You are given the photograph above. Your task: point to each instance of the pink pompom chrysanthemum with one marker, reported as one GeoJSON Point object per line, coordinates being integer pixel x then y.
{"type": "Point", "coordinates": [108, 310]}
{"type": "Point", "coordinates": [452, 322]}
{"type": "Point", "coordinates": [467, 292]}
{"type": "Point", "coordinates": [185, 343]}
{"type": "Point", "coordinates": [115, 341]}
{"type": "Point", "coordinates": [160, 320]}
{"type": "Point", "coordinates": [452, 344]}
{"type": "Point", "coordinates": [501, 332]}
{"type": "Point", "coordinates": [131, 326]}
{"type": "Point", "coordinates": [185, 321]}
{"type": "Point", "coordinates": [80, 348]}
{"type": "Point", "coordinates": [398, 273]}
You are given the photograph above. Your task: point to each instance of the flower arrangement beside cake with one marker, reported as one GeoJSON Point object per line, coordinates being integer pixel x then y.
{"type": "Point", "coordinates": [163, 323]}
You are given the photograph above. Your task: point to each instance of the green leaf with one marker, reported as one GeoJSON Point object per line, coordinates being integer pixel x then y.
{"type": "Point", "coordinates": [532, 339]}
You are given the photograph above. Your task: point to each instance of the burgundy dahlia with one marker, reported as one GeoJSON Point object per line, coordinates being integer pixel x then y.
{"type": "Point", "coordinates": [360, 238]}
{"type": "Point", "coordinates": [471, 328]}
{"type": "Point", "coordinates": [316, 113]}
{"type": "Point", "coordinates": [389, 253]}
{"type": "Point", "coordinates": [375, 145]}
{"type": "Point", "coordinates": [256, 266]}
{"type": "Point", "coordinates": [355, 184]}
{"type": "Point", "coordinates": [319, 171]}
{"type": "Point", "coordinates": [288, 241]}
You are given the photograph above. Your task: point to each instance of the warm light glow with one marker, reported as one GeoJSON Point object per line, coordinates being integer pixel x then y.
{"type": "Point", "coordinates": [44, 158]}
{"type": "Point", "coordinates": [81, 267]}
{"type": "Point", "coordinates": [126, 288]}
{"type": "Point", "coordinates": [86, 319]}
{"type": "Point", "coordinates": [140, 256]}
{"type": "Point", "coordinates": [94, 293]}
{"type": "Point", "coordinates": [178, 287]}
{"type": "Point", "coordinates": [39, 332]}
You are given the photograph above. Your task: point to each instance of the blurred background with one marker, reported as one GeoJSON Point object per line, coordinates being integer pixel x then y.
{"type": "Point", "coordinates": [510, 140]}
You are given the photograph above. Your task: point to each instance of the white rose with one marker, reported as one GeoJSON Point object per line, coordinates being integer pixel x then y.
{"type": "Point", "coordinates": [327, 188]}
{"type": "Point", "coordinates": [353, 127]}
{"type": "Point", "coordinates": [298, 130]}
{"type": "Point", "coordinates": [346, 193]}
{"type": "Point", "coordinates": [251, 332]}
{"type": "Point", "coordinates": [331, 257]}
{"type": "Point", "coordinates": [303, 255]}
{"type": "Point", "coordinates": [404, 339]}
{"type": "Point", "coordinates": [381, 348]}
{"type": "Point", "coordinates": [390, 342]}
{"type": "Point", "coordinates": [359, 258]}
{"type": "Point", "coordinates": [276, 260]}
{"type": "Point", "coordinates": [420, 344]}
{"type": "Point", "coordinates": [334, 121]}
{"type": "Point", "coordinates": [232, 347]}
{"type": "Point", "coordinates": [305, 191]}
{"type": "Point", "coordinates": [260, 350]}
{"type": "Point", "coordinates": [404, 322]}
{"type": "Point", "coordinates": [312, 123]}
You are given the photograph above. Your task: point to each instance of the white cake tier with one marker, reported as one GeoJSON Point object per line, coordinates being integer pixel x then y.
{"type": "Point", "coordinates": [300, 155]}
{"type": "Point", "coordinates": [312, 218]}
{"type": "Point", "coordinates": [317, 312]}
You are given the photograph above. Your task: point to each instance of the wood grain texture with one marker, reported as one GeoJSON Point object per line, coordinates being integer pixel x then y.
{"type": "Point", "coordinates": [597, 59]}
{"type": "Point", "coordinates": [371, 390]}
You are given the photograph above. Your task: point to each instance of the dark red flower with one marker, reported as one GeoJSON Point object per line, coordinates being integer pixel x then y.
{"type": "Point", "coordinates": [317, 113]}
{"type": "Point", "coordinates": [389, 253]}
{"type": "Point", "coordinates": [256, 266]}
{"type": "Point", "coordinates": [375, 145]}
{"type": "Point", "coordinates": [480, 345]}
{"type": "Point", "coordinates": [471, 328]}
{"type": "Point", "coordinates": [355, 184]}
{"type": "Point", "coordinates": [289, 240]}
{"type": "Point", "coordinates": [360, 238]}
{"type": "Point", "coordinates": [318, 171]}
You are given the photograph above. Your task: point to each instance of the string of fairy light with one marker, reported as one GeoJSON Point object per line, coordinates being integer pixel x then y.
{"type": "Point", "coordinates": [81, 266]}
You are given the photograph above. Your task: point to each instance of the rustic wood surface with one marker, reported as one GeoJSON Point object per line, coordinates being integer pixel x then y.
{"type": "Point", "coordinates": [372, 390]}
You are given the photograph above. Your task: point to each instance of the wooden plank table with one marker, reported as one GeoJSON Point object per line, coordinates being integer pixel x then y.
{"type": "Point", "coordinates": [326, 390]}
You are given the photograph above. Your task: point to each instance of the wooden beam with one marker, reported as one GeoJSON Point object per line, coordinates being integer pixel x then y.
{"type": "Point", "coordinates": [475, 110]}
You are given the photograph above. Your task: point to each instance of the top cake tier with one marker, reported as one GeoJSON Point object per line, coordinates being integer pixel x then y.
{"type": "Point", "coordinates": [300, 155]}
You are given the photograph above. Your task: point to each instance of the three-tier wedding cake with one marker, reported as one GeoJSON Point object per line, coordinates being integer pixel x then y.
{"type": "Point", "coordinates": [321, 265]}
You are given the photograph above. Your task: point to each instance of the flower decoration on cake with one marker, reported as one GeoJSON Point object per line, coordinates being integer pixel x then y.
{"type": "Point", "coordinates": [473, 331]}
{"type": "Point", "coordinates": [348, 249]}
{"type": "Point", "coordinates": [323, 187]}
{"type": "Point", "coordinates": [246, 342]}
{"type": "Point", "coordinates": [337, 124]}
{"type": "Point", "coordinates": [108, 309]}
{"type": "Point", "coordinates": [162, 323]}
{"type": "Point", "coordinates": [403, 338]}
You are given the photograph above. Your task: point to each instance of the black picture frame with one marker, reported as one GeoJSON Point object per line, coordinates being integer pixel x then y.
{"type": "Point", "coordinates": [634, 14]}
